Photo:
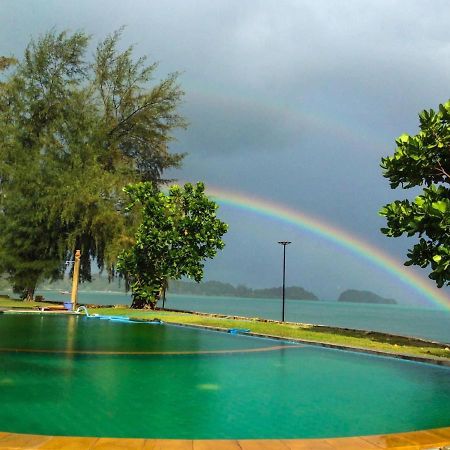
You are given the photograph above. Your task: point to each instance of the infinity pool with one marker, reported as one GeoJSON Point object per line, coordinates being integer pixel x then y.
{"type": "Point", "coordinates": [69, 375]}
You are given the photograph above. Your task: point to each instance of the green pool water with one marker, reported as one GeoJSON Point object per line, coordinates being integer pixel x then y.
{"type": "Point", "coordinates": [160, 381]}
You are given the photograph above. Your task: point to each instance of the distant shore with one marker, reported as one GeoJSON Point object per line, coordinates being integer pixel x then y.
{"type": "Point", "coordinates": [369, 341]}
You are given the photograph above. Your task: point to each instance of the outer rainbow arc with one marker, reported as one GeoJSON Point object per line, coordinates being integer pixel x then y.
{"type": "Point", "coordinates": [333, 234]}
{"type": "Point", "coordinates": [295, 114]}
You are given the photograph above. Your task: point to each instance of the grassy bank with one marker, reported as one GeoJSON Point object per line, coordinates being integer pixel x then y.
{"type": "Point", "coordinates": [7, 302]}
{"type": "Point", "coordinates": [352, 338]}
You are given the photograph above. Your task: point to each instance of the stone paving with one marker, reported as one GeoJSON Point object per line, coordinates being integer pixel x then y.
{"type": "Point", "coordinates": [434, 439]}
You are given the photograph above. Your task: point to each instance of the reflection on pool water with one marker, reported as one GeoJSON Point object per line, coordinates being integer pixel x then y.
{"type": "Point", "coordinates": [78, 376]}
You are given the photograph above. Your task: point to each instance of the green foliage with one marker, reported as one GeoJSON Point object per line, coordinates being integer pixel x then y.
{"type": "Point", "coordinates": [73, 132]}
{"type": "Point", "coordinates": [423, 160]}
{"type": "Point", "coordinates": [137, 120]}
{"type": "Point", "coordinates": [179, 230]}
{"type": "Point", "coordinates": [6, 63]}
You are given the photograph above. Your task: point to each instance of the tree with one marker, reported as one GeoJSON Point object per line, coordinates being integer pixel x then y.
{"type": "Point", "coordinates": [423, 160]}
{"type": "Point", "coordinates": [179, 230]}
{"type": "Point", "coordinates": [72, 134]}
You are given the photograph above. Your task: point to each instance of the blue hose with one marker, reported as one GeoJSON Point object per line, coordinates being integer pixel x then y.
{"type": "Point", "coordinates": [238, 330]}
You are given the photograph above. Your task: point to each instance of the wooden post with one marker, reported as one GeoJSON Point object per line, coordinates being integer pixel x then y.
{"type": "Point", "coordinates": [76, 275]}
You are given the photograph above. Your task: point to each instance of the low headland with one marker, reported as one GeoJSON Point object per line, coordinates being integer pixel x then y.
{"type": "Point", "coordinates": [220, 289]}
{"type": "Point", "coordinates": [357, 339]}
{"type": "Point", "coordinates": [355, 296]}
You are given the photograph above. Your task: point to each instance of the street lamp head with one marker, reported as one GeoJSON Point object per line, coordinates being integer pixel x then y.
{"type": "Point", "coordinates": [284, 242]}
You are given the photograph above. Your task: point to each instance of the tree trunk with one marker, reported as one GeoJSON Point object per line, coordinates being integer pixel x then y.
{"type": "Point", "coordinates": [140, 303]}
{"type": "Point", "coordinates": [162, 294]}
{"type": "Point", "coordinates": [28, 294]}
{"type": "Point", "coordinates": [25, 287]}
{"type": "Point", "coordinates": [145, 297]}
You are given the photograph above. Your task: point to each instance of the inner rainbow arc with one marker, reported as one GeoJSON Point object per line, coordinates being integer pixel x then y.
{"type": "Point", "coordinates": [332, 234]}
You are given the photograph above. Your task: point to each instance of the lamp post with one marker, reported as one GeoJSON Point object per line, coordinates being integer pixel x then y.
{"type": "Point", "coordinates": [284, 243]}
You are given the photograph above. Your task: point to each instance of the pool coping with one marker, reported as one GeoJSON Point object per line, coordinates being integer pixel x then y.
{"type": "Point", "coordinates": [402, 356]}
{"type": "Point", "coordinates": [431, 439]}
{"type": "Point", "coordinates": [228, 316]}
{"type": "Point", "coordinates": [315, 325]}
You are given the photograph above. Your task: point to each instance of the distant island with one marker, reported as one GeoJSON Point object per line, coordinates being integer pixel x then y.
{"type": "Point", "coordinates": [355, 296]}
{"type": "Point", "coordinates": [208, 288]}
{"type": "Point", "coordinates": [219, 289]}
{"type": "Point", "coordinates": [100, 283]}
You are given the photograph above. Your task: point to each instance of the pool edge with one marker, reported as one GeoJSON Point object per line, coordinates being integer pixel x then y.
{"type": "Point", "coordinates": [434, 438]}
{"type": "Point", "coordinates": [402, 356]}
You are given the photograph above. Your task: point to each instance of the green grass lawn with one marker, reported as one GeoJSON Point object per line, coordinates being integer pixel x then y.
{"type": "Point", "coordinates": [7, 302]}
{"type": "Point", "coordinates": [351, 338]}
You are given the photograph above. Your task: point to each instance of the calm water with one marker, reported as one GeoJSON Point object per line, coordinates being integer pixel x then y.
{"type": "Point", "coordinates": [428, 323]}
{"type": "Point", "coordinates": [287, 392]}
{"type": "Point", "coordinates": [421, 322]}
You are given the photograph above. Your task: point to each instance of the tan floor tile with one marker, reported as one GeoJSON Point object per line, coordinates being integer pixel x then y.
{"type": "Point", "coordinates": [351, 443]}
{"type": "Point", "coordinates": [442, 434]}
{"type": "Point", "coordinates": [389, 441]}
{"type": "Point", "coordinates": [11, 441]}
{"type": "Point", "coordinates": [308, 444]}
{"type": "Point", "coordinates": [440, 443]}
{"type": "Point", "coordinates": [68, 443]}
{"type": "Point", "coordinates": [422, 438]}
{"type": "Point", "coordinates": [263, 444]}
{"type": "Point", "coordinates": [168, 444]}
{"type": "Point", "coordinates": [118, 444]}
{"type": "Point", "coordinates": [216, 445]}
{"type": "Point", "coordinates": [418, 440]}
{"type": "Point", "coordinates": [408, 447]}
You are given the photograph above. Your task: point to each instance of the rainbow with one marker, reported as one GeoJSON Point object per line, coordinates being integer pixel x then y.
{"type": "Point", "coordinates": [332, 234]}
{"type": "Point", "coordinates": [294, 116]}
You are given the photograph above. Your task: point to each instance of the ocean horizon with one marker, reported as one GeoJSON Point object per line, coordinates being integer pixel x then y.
{"type": "Point", "coordinates": [417, 321]}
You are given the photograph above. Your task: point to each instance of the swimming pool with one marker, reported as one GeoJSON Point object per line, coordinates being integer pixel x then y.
{"type": "Point", "coordinates": [69, 375]}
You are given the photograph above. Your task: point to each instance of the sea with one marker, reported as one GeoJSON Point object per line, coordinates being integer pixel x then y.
{"type": "Point", "coordinates": [404, 320]}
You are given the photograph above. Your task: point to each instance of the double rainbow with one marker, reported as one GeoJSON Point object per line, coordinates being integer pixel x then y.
{"type": "Point", "coordinates": [332, 234]}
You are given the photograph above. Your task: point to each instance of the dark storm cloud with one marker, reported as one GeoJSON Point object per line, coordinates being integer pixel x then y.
{"type": "Point", "coordinates": [294, 101]}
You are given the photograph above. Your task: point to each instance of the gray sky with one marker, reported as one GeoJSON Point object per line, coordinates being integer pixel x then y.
{"type": "Point", "coordinates": [290, 101]}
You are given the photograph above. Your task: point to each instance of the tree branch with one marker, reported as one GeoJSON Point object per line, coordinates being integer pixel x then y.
{"type": "Point", "coordinates": [442, 171]}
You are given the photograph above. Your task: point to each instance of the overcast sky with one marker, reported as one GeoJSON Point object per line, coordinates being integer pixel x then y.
{"type": "Point", "coordinates": [290, 101]}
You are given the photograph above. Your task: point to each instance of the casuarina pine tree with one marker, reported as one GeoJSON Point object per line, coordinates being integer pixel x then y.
{"type": "Point", "coordinates": [73, 132]}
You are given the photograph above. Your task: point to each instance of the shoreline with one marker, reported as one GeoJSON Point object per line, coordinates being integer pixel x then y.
{"type": "Point", "coordinates": [371, 342]}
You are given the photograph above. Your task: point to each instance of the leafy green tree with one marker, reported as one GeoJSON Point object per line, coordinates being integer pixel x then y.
{"type": "Point", "coordinates": [179, 230]}
{"type": "Point", "coordinates": [34, 150]}
{"type": "Point", "coordinates": [73, 132]}
{"type": "Point", "coordinates": [423, 160]}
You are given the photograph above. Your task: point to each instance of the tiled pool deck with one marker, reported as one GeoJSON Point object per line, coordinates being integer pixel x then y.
{"type": "Point", "coordinates": [418, 440]}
